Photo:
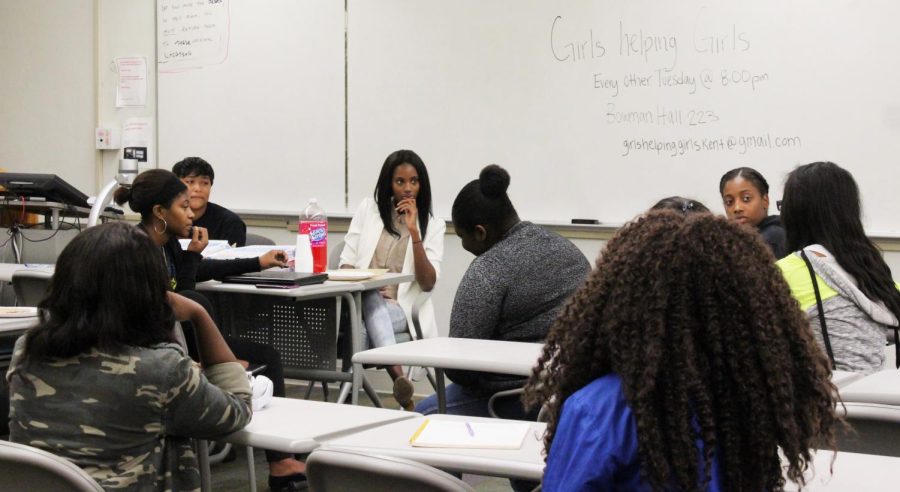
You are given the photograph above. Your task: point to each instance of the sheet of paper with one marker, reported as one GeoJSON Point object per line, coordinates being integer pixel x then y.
{"type": "Point", "coordinates": [131, 87]}
{"type": "Point", "coordinates": [247, 251]}
{"type": "Point", "coordinates": [214, 247]}
{"type": "Point", "coordinates": [463, 434]}
{"type": "Point", "coordinates": [192, 34]}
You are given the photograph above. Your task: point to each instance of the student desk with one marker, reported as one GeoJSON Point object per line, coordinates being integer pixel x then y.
{"type": "Point", "coordinates": [7, 269]}
{"type": "Point", "coordinates": [881, 388]}
{"type": "Point", "coordinates": [852, 471]}
{"type": "Point", "coordinates": [393, 440]}
{"type": "Point", "coordinates": [300, 426]}
{"type": "Point", "coordinates": [496, 356]}
{"type": "Point", "coordinates": [15, 327]}
{"type": "Point", "coordinates": [872, 407]}
{"type": "Point", "coordinates": [843, 378]}
{"type": "Point", "coordinates": [275, 315]}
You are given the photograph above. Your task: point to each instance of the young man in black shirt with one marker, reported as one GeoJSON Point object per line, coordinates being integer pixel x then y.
{"type": "Point", "coordinates": [221, 223]}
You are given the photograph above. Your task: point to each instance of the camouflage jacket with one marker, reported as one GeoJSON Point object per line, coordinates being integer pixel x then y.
{"type": "Point", "coordinates": [126, 418]}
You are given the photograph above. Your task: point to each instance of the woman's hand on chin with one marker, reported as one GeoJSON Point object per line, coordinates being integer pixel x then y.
{"type": "Point", "coordinates": [199, 239]}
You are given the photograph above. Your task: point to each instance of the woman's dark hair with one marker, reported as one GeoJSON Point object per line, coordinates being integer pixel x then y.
{"type": "Point", "coordinates": [193, 166]}
{"type": "Point", "coordinates": [484, 201]}
{"type": "Point", "coordinates": [693, 316]}
{"type": "Point", "coordinates": [821, 206]}
{"type": "Point", "coordinates": [108, 291]}
{"type": "Point", "coordinates": [748, 173]}
{"type": "Point", "coordinates": [680, 204]}
{"type": "Point", "coordinates": [150, 188]}
{"type": "Point", "coordinates": [384, 191]}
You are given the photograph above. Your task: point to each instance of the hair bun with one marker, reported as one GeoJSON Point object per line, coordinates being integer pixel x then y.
{"type": "Point", "coordinates": [122, 195]}
{"type": "Point", "coordinates": [494, 181]}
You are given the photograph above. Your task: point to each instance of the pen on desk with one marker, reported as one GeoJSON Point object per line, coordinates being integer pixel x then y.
{"type": "Point", "coordinates": [470, 429]}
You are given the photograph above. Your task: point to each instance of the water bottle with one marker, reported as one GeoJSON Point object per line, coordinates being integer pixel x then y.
{"type": "Point", "coordinates": [314, 225]}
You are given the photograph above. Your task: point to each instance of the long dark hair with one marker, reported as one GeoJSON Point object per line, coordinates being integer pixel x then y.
{"type": "Point", "coordinates": [108, 291]}
{"type": "Point", "coordinates": [484, 202]}
{"type": "Point", "coordinates": [821, 206]}
{"type": "Point", "coordinates": [150, 188]}
{"type": "Point", "coordinates": [693, 316]}
{"type": "Point", "coordinates": [384, 190]}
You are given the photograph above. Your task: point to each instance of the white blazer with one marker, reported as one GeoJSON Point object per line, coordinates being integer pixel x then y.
{"type": "Point", "coordinates": [359, 247]}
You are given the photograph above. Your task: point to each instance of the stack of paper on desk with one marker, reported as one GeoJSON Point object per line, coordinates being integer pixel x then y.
{"type": "Point", "coordinates": [463, 434]}
{"type": "Point", "coordinates": [213, 247]}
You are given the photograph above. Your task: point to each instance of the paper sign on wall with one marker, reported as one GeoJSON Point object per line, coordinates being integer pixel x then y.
{"type": "Point", "coordinates": [131, 87]}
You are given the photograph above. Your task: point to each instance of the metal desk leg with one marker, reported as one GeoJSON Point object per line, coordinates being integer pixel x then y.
{"type": "Point", "coordinates": [356, 333]}
{"type": "Point", "coordinates": [441, 394]}
{"type": "Point", "coordinates": [356, 342]}
{"type": "Point", "coordinates": [251, 469]}
{"type": "Point", "coordinates": [203, 461]}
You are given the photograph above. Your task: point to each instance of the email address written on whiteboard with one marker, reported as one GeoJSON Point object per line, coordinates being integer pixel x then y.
{"type": "Point", "coordinates": [645, 63]}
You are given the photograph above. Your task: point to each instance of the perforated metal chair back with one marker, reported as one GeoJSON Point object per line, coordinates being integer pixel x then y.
{"type": "Point", "coordinates": [30, 286]}
{"type": "Point", "coordinates": [332, 470]}
{"type": "Point", "coordinates": [39, 471]}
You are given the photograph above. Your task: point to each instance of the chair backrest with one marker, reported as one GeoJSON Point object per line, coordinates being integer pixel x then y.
{"type": "Point", "coordinates": [334, 256]}
{"type": "Point", "coordinates": [38, 471]}
{"type": "Point", "coordinates": [257, 240]}
{"type": "Point", "coordinates": [338, 470]}
{"type": "Point", "coordinates": [30, 286]}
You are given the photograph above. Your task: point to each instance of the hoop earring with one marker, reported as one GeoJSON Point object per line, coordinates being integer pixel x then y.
{"type": "Point", "coordinates": [165, 226]}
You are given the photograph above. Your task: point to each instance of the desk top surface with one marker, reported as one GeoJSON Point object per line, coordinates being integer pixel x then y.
{"type": "Point", "coordinates": [309, 291]}
{"type": "Point", "coordinates": [881, 387]}
{"type": "Point", "coordinates": [17, 326]}
{"type": "Point", "coordinates": [7, 269]}
{"type": "Point", "coordinates": [516, 358]}
{"type": "Point", "coordinates": [843, 378]}
{"type": "Point", "coordinates": [852, 471]}
{"type": "Point", "coordinates": [299, 426]}
{"type": "Point", "coordinates": [393, 440]}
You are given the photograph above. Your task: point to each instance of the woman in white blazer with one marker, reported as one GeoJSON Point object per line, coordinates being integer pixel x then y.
{"type": "Point", "coordinates": [396, 230]}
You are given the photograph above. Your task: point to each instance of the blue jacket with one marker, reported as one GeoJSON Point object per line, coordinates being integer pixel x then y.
{"type": "Point", "coordinates": [595, 447]}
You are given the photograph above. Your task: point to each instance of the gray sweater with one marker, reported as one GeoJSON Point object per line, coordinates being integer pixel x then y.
{"type": "Point", "coordinates": [514, 291]}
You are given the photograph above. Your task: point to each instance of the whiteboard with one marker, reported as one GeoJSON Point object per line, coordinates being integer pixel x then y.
{"type": "Point", "coordinates": [599, 108]}
{"type": "Point", "coordinates": [255, 87]}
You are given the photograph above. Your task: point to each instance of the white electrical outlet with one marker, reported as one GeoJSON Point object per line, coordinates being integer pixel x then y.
{"type": "Point", "coordinates": [107, 138]}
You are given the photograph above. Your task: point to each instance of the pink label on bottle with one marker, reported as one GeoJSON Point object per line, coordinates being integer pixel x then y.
{"type": "Point", "coordinates": [317, 230]}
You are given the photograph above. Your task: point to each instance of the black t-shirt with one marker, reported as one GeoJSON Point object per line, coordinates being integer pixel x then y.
{"type": "Point", "coordinates": [223, 224]}
{"type": "Point", "coordinates": [773, 233]}
{"type": "Point", "coordinates": [186, 268]}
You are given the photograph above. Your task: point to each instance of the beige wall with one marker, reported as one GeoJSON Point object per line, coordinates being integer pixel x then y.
{"type": "Point", "coordinates": [47, 74]}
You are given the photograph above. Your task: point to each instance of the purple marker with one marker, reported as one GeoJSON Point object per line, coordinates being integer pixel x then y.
{"type": "Point", "coordinates": [470, 429]}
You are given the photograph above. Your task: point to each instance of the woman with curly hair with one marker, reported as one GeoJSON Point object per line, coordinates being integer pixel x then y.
{"type": "Point", "coordinates": [682, 364]}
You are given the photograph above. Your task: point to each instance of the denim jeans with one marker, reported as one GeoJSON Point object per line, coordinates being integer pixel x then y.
{"type": "Point", "coordinates": [382, 318]}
